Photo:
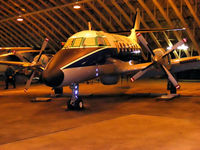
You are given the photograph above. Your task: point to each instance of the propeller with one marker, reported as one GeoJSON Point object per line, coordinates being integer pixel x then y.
{"type": "Point", "coordinates": [21, 57]}
{"type": "Point", "coordinates": [171, 78]}
{"type": "Point", "coordinates": [28, 83]}
{"type": "Point", "coordinates": [141, 73]}
{"type": "Point", "coordinates": [157, 61]}
{"type": "Point", "coordinates": [35, 63]}
{"type": "Point", "coordinates": [145, 43]}
{"type": "Point", "coordinates": [42, 49]}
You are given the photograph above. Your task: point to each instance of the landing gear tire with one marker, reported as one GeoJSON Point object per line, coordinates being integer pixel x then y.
{"type": "Point", "coordinates": [69, 105]}
{"type": "Point", "coordinates": [76, 105]}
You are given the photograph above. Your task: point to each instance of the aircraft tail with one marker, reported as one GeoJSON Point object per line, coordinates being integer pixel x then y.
{"type": "Point", "coordinates": [136, 25]}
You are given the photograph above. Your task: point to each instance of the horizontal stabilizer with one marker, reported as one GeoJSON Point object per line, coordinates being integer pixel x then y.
{"type": "Point", "coordinates": [152, 30]}
{"type": "Point", "coordinates": [159, 30]}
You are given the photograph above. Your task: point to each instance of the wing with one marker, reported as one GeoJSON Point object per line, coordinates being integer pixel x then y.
{"type": "Point", "coordinates": [184, 64]}
{"type": "Point", "coordinates": [177, 65]}
{"type": "Point", "coordinates": [16, 63]}
{"type": "Point", "coordinates": [121, 67]}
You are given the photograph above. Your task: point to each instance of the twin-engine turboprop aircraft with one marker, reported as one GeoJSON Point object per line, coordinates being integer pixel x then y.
{"type": "Point", "coordinates": [90, 54]}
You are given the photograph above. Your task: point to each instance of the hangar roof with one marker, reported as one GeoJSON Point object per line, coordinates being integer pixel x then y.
{"type": "Point", "coordinates": [58, 20]}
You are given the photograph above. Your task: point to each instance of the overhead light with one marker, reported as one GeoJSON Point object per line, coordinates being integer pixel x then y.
{"type": "Point", "coordinates": [20, 19]}
{"type": "Point", "coordinates": [136, 52]}
{"type": "Point", "coordinates": [23, 9]}
{"type": "Point", "coordinates": [77, 5]}
{"type": "Point", "coordinates": [183, 47]}
{"type": "Point", "coordinates": [169, 47]}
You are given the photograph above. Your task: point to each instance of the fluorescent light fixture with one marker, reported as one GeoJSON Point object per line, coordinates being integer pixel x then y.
{"type": "Point", "coordinates": [183, 47]}
{"type": "Point", "coordinates": [20, 19]}
{"type": "Point", "coordinates": [169, 47]}
{"type": "Point", "coordinates": [77, 6]}
{"type": "Point", "coordinates": [136, 52]}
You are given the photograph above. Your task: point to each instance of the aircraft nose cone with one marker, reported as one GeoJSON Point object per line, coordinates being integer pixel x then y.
{"type": "Point", "coordinates": [52, 78]}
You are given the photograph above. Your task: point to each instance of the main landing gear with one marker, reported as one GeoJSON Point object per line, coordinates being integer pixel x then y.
{"type": "Point", "coordinates": [172, 94]}
{"type": "Point", "coordinates": [171, 87]}
{"type": "Point", "coordinates": [75, 102]}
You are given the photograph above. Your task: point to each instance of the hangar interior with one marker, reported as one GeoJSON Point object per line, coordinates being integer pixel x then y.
{"type": "Point", "coordinates": [122, 116]}
{"type": "Point", "coordinates": [58, 20]}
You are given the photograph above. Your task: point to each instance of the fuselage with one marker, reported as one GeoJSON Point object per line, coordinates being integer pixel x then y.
{"type": "Point", "coordinates": [85, 53]}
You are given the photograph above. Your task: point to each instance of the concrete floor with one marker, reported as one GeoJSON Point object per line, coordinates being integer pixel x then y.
{"type": "Point", "coordinates": [122, 116]}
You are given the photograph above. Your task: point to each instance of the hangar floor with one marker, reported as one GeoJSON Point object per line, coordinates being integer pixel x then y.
{"type": "Point", "coordinates": [123, 116]}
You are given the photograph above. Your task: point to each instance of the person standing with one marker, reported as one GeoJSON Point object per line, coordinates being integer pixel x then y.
{"type": "Point", "coordinates": [10, 77]}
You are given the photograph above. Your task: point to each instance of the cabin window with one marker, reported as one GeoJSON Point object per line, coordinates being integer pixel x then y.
{"type": "Point", "coordinates": [68, 43]}
{"type": "Point", "coordinates": [89, 42]}
{"type": "Point", "coordinates": [124, 46]}
{"type": "Point", "coordinates": [77, 42]}
{"type": "Point", "coordinates": [120, 45]}
{"type": "Point", "coordinates": [117, 45]}
{"type": "Point", "coordinates": [132, 48]}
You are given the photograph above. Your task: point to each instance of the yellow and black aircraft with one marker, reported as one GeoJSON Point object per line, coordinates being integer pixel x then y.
{"type": "Point", "coordinates": [91, 54]}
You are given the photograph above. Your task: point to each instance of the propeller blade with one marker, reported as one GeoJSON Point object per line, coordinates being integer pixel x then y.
{"type": "Point", "coordinates": [141, 73]}
{"type": "Point", "coordinates": [43, 47]}
{"type": "Point", "coordinates": [145, 43]}
{"type": "Point", "coordinates": [28, 83]}
{"type": "Point", "coordinates": [175, 47]}
{"type": "Point", "coordinates": [171, 78]}
{"type": "Point", "coordinates": [21, 57]}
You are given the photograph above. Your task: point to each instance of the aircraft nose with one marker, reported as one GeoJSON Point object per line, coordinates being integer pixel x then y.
{"type": "Point", "coordinates": [53, 78]}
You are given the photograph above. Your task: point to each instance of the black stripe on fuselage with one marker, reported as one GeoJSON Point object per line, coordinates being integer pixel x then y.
{"type": "Point", "coordinates": [64, 57]}
{"type": "Point", "coordinates": [80, 57]}
{"type": "Point", "coordinates": [93, 58]}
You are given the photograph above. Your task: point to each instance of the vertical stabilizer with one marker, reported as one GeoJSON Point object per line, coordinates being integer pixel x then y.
{"type": "Point", "coordinates": [136, 25]}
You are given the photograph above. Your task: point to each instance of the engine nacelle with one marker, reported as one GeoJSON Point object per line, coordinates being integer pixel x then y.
{"type": "Point", "coordinates": [159, 52]}
{"type": "Point", "coordinates": [109, 79]}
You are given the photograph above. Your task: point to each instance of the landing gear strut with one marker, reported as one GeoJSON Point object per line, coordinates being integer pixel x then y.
{"type": "Point", "coordinates": [75, 102]}
{"type": "Point", "coordinates": [171, 87]}
{"type": "Point", "coordinates": [58, 91]}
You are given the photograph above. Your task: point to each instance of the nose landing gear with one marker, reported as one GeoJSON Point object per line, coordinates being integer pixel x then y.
{"type": "Point", "coordinates": [75, 102]}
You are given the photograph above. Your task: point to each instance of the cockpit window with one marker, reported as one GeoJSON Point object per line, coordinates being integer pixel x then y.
{"type": "Point", "coordinates": [106, 40]}
{"type": "Point", "coordinates": [89, 42]}
{"type": "Point", "coordinates": [77, 42]}
{"type": "Point", "coordinates": [100, 41]}
{"type": "Point", "coordinates": [68, 43]}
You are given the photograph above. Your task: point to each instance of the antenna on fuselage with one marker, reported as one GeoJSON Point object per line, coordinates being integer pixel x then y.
{"type": "Point", "coordinates": [89, 26]}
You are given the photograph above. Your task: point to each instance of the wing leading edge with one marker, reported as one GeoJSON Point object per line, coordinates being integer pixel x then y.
{"type": "Point", "coordinates": [177, 65]}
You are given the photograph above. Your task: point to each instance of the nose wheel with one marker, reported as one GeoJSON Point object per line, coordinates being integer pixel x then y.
{"type": "Point", "coordinates": [75, 102]}
{"type": "Point", "coordinates": [75, 105]}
